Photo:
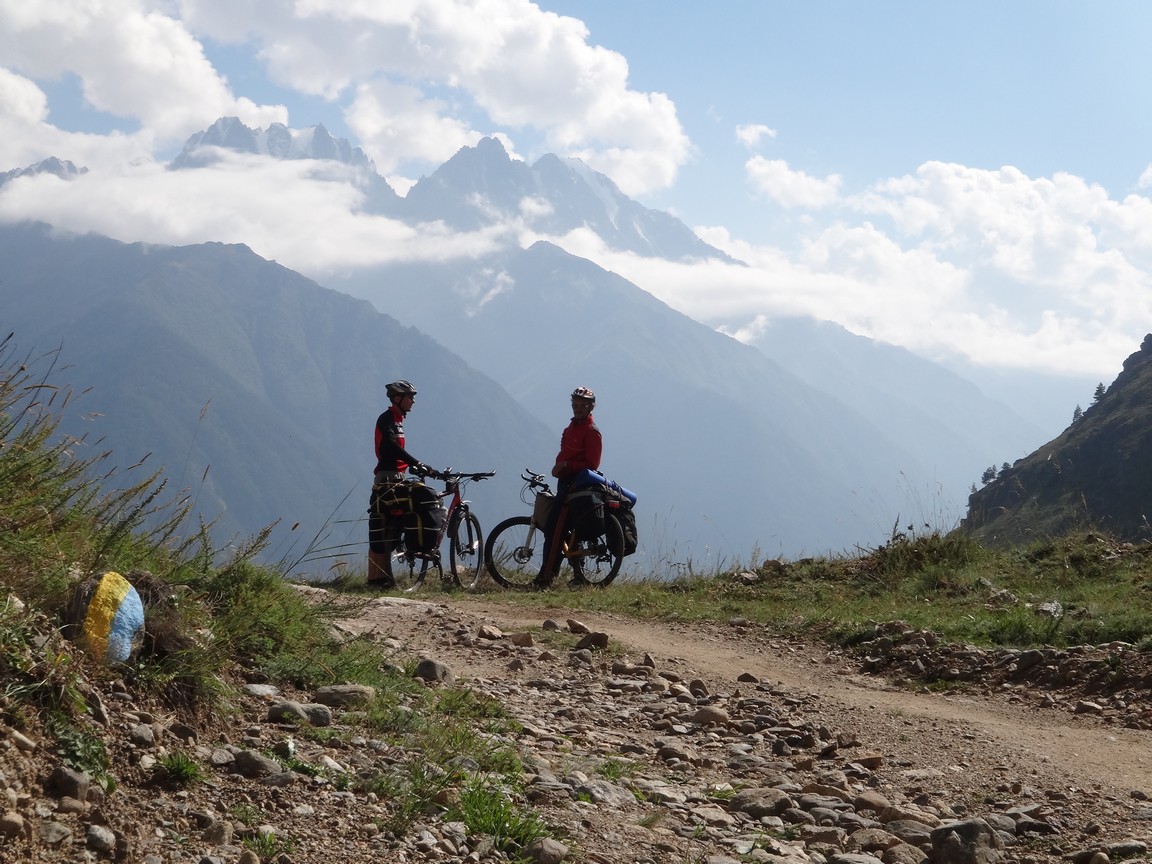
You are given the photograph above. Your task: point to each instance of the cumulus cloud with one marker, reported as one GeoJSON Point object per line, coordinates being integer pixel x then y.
{"type": "Point", "coordinates": [132, 60]}
{"type": "Point", "coordinates": [751, 135]}
{"type": "Point", "coordinates": [789, 187]}
{"type": "Point", "coordinates": [994, 267]}
{"type": "Point", "coordinates": [398, 124]}
{"type": "Point", "coordinates": [948, 260]}
{"type": "Point", "coordinates": [20, 99]}
{"type": "Point", "coordinates": [413, 70]}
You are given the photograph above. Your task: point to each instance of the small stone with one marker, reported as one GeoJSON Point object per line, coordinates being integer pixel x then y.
{"type": "Point", "coordinates": [253, 764]}
{"type": "Point", "coordinates": [11, 824]}
{"type": "Point", "coordinates": [318, 715]}
{"type": "Point", "coordinates": [65, 782]}
{"type": "Point", "coordinates": [545, 850]}
{"type": "Point", "coordinates": [22, 742]}
{"type": "Point", "coordinates": [286, 712]}
{"type": "Point", "coordinates": [54, 834]}
{"type": "Point", "coordinates": [101, 839]}
{"type": "Point", "coordinates": [143, 735]}
{"type": "Point", "coordinates": [593, 640]}
{"type": "Point", "coordinates": [711, 715]}
{"type": "Point", "coordinates": [344, 695]}
{"type": "Point", "coordinates": [1086, 707]}
{"type": "Point", "coordinates": [433, 671]}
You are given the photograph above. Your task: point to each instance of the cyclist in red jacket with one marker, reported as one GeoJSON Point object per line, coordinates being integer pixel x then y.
{"type": "Point", "coordinates": [392, 461]}
{"type": "Point", "coordinates": [580, 449]}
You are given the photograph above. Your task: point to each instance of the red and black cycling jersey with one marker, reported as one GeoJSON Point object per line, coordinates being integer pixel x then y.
{"type": "Point", "coordinates": [390, 452]}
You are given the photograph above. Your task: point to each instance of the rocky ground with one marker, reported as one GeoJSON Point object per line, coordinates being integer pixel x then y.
{"type": "Point", "coordinates": [652, 742]}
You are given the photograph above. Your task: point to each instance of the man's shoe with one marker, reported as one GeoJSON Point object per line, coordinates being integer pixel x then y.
{"type": "Point", "coordinates": [380, 584]}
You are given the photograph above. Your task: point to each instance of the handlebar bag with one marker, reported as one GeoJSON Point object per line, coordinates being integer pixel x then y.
{"type": "Point", "coordinates": [541, 508]}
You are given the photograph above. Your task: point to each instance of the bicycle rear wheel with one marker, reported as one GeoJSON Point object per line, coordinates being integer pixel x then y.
{"type": "Point", "coordinates": [514, 552]}
{"type": "Point", "coordinates": [596, 562]}
{"type": "Point", "coordinates": [465, 549]}
{"type": "Point", "coordinates": [411, 570]}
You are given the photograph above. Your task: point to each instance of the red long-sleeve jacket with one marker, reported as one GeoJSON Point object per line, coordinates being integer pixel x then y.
{"type": "Point", "coordinates": [580, 447]}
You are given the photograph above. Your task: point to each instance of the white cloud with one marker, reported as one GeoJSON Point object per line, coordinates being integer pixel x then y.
{"type": "Point", "coordinates": [1001, 269]}
{"type": "Point", "coordinates": [414, 68]}
{"type": "Point", "coordinates": [790, 188]}
{"type": "Point", "coordinates": [300, 213]}
{"type": "Point", "coordinates": [398, 124]}
{"type": "Point", "coordinates": [751, 135]}
{"type": "Point", "coordinates": [948, 260]}
{"type": "Point", "coordinates": [132, 60]}
{"type": "Point", "coordinates": [26, 138]}
{"type": "Point", "coordinates": [20, 99]}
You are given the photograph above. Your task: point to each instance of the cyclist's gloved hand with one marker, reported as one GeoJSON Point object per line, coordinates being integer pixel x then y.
{"type": "Point", "coordinates": [420, 468]}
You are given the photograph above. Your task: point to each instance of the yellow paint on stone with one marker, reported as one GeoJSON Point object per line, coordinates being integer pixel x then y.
{"type": "Point", "coordinates": [106, 599]}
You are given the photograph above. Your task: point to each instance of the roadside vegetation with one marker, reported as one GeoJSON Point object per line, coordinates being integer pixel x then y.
{"type": "Point", "coordinates": [1080, 589]}
{"type": "Point", "coordinates": [215, 618]}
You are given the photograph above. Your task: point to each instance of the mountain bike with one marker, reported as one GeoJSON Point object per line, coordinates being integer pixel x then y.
{"type": "Point", "coordinates": [460, 526]}
{"type": "Point", "coordinates": [514, 552]}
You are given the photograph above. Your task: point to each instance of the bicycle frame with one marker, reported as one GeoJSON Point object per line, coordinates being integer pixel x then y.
{"type": "Point", "coordinates": [457, 509]}
{"type": "Point", "coordinates": [512, 548]}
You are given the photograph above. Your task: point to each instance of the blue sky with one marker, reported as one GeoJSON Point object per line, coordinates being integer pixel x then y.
{"type": "Point", "coordinates": [969, 180]}
{"type": "Point", "coordinates": [872, 90]}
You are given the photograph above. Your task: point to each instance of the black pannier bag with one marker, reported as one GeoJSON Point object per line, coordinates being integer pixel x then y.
{"type": "Point", "coordinates": [621, 507]}
{"type": "Point", "coordinates": [586, 512]}
{"type": "Point", "coordinates": [394, 501]}
{"type": "Point", "coordinates": [423, 522]}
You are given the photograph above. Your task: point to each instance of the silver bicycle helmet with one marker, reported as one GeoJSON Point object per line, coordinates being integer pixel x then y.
{"type": "Point", "coordinates": [584, 393]}
{"type": "Point", "coordinates": [401, 388]}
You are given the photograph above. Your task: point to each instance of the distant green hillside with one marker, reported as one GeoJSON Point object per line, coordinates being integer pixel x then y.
{"type": "Point", "coordinates": [1096, 474]}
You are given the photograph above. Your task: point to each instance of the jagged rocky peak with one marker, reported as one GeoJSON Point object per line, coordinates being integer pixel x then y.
{"type": "Point", "coordinates": [1141, 356]}
{"type": "Point", "coordinates": [277, 141]}
{"type": "Point", "coordinates": [60, 167]}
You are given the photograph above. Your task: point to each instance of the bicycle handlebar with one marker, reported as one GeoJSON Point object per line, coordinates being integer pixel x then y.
{"type": "Point", "coordinates": [533, 479]}
{"type": "Point", "coordinates": [449, 474]}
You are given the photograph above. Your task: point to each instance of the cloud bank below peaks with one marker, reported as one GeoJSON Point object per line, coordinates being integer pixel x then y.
{"type": "Point", "coordinates": [993, 267]}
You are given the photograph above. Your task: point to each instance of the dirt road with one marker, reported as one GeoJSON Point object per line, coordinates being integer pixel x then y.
{"type": "Point", "coordinates": [1006, 733]}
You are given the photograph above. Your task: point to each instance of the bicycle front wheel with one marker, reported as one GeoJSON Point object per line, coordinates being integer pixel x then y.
{"type": "Point", "coordinates": [514, 552]}
{"type": "Point", "coordinates": [465, 549]}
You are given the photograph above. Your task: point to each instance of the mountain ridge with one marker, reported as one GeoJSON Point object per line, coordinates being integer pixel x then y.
{"type": "Point", "coordinates": [1095, 475]}
{"type": "Point", "coordinates": [826, 460]}
{"type": "Point", "coordinates": [232, 368]}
